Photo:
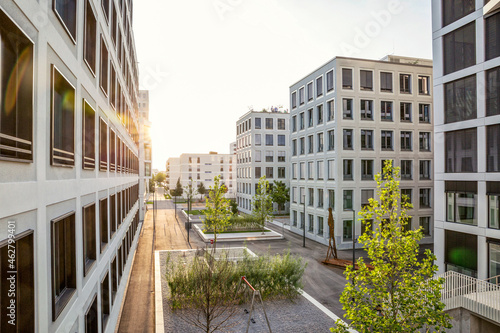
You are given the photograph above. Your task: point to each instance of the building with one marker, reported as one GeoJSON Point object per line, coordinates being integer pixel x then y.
{"type": "Point", "coordinates": [145, 151]}
{"type": "Point", "coordinates": [68, 163]}
{"type": "Point", "coordinates": [202, 168]}
{"type": "Point", "coordinates": [467, 136]}
{"type": "Point", "coordinates": [347, 118]}
{"type": "Point", "coordinates": [232, 148]}
{"type": "Point", "coordinates": [263, 149]}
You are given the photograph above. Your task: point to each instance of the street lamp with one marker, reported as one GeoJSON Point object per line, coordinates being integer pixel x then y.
{"type": "Point", "coordinates": [188, 225]}
{"type": "Point", "coordinates": [353, 242]}
{"type": "Point", "coordinates": [304, 222]}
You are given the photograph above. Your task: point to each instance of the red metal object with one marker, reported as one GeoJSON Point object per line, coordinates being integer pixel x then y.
{"type": "Point", "coordinates": [248, 283]}
{"type": "Point", "coordinates": [212, 241]}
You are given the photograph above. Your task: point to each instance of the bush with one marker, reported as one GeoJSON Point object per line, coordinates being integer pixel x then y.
{"type": "Point", "coordinates": [241, 223]}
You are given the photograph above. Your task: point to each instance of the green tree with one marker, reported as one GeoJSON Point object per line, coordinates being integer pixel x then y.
{"type": "Point", "coordinates": [234, 207]}
{"type": "Point", "coordinates": [151, 185]}
{"type": "Point", "coordinates": [201, 190]}
{"type": "Point", "coordinates": [160, 178]}
{"type": "Point", "coordinates": [190, 193]}
{"type": "Point", "coordinates": [218, 212]}
{"type": "Point", "coordinates": [262, 201]}
{"type": "Point", "coordinates": [280, 194]}
{"type": "Point", "coordinates": [178, 189]}
{"type": "Point", "coordinates": [399, 294]}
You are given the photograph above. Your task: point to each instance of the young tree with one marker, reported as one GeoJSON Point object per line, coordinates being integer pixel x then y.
{"type": "Point", "coordinates": [178, 189]}
{"type": "Point", "coordinates": [400, 293]}
{"type": "Point", "coordinates": [190, 193]}
{"type": "Point", "coordinates": [234, 207]}
{"type": "Point", "coordinates": [262, 202]}
{"type": "Point", "coordinates": [280, 194]}
{"type": "Point", "coordinates": [201, 190]}
{"type": "Point", "coordinates": [160, 178]}
{"type": "Point", "coordinates": [218, 212]}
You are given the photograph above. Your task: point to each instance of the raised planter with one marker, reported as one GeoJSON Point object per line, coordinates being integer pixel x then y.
{"type": "Point", "coordinates": [237, 237]}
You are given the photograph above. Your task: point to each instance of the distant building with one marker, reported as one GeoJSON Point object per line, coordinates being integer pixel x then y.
{"type": "Point", "coordinates": [232, 148]}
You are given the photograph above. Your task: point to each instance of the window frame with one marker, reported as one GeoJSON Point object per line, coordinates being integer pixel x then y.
{"type": "Point", "coordinates": [61, 20]}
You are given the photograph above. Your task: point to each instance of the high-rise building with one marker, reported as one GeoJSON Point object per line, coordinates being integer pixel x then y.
{"type": "Point", "coordinates": [145, 151]}
{"type": "Point", "coordinates": [466, 42]}
{"type": "Point", "coordinates": [347, 118]}
{"type": "Point", "coordinates": [262, 149]}
{"type": "Point", "coordinates": [69, 183]}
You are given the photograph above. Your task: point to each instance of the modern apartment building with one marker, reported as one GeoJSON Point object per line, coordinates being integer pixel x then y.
{"type": "Point", "coordinates": [262, 149]}
{"type": "Point", "coordinates": [466, 43]}
{"type": "Point", "coordinates": [69, 163]}
{"type": "Point", "coordinates": [347, 118]}
{"type": "Point", "coordinates": [145, 151]}
{"type": "Point", "coordinates": [203, 168]}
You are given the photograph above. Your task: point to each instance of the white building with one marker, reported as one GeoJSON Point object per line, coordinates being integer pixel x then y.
{"type": "Point", "coordinates": [232, 148]}
{"type": "Point", "coordinates": [263, 149]}
{"type": "Point", "coordinates": [467, 136]}
{"type": "Point", "coordinates": [347, 118]}
{"type": "Point", "coordinates": [145, 153]}
{"type": "Point", "coordinates": [202, 168]}
{"type": "Point", "coordinates": [68, 162]}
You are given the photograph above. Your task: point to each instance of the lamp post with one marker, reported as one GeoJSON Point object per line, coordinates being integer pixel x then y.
{"type": "Point", "coordinates": [353, 242]}
{"type": "Point", "coordinates": [304, 222]}
{"type": "Point", "coordinates": [188, 225]}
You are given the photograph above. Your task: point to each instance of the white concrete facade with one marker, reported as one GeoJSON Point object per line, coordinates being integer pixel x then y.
{"type": "Point", "coordinates": [342, 116]}
{"type": "Point", "coordinates": [466, 170]}
{"type": "Point", "coordinates": [145, 151]}
{"type": "Point", "coordinates": [263, 149]}
{"type": "Point", "coordinates": [71, 155]}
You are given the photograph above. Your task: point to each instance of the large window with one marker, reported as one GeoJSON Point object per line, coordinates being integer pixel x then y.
{"type": "Point", "coordinates": [269, 156]}
{"type": "Point", "coordinates": [103, 145]}
{"type": "Point", "coordinates": [424, 85]}
{"type": "Point", "coordinates": [319, 86]}
{"type": "Point", "coordinates": [461, 202]}
{"type": "Point", "coordinates": [366, 109]}
{"type": "Point", "coordinates": [319, 230]}
{"type": "Point", "coordinates": [348, 169]}
{"type": "Point", "coordinates": [347, 230]}
{"type": "Point", "coordinates": [281, 156]}
{"type": "Point", "coordinates": [103, 222]}
{"type": "Point", "coordinates": [493, 192]}
{"type": "Point", "coordinates": [66, 12]}
{"type": "Point", "coordinates": [425, 198]}
{"type": "Point", "coordinates": [347, 108]}
{"type": "Point", "coordinates": [331, 169]}
{"type": "Point", "coordinates": [281, 172]}
{"type": "Point", "coordinates": [91, 317]}
{"type": "Point", "coordinates": [346, 78]}
{"type": "Point", "coordinates": [330, 108]}
{"type": "Point", "coordinates": [460, 48]}
{"type": "Point", "coordinates": [302, 146]}
{"type": "Point", "coordinates": [493, 258]}
{"type": "Point", "coordinates": [425, 224]}
{"type": "Point", "coordinates": [311, 196]}
{"type": "Point", "coordinates": [366, 80]}
{"type": "Point", "coordinates": [88, 136]}
{"type": "Point", "coordinates": [460, 252]}
{"type": "Point", "coordinates": [425, 169]}
{"type": "Point", "coordinates": [269, 123]}
{"type": "Point", "coordinates": [103, 81]}
{"type": "Point", "coordinates": [493, 92]}
{"type": "Point", "coordinates": [310, 119]}
{"type": "Point", "coordinates": [112, 214]}
{"type": "Point", "coordinates": [424, 113]}
{"type": "Point", "coordinates": [321, 142]}
{"type": "Point", "coordinates": [493, 148]}
{"type": "Point", "coordinates": [386, 140]}
{"type": "Point", "coordinates": [492, 36]}
{"type": "Point", "coordinates": [269, 172]}
{"type": "Point", "coordinates": [348, 139]}
{"type": "Point", "coordinates": [310, 140]}
{"type": "Point", "coordinates": [366, 195]}
{"type": "Point", "coordinates": [258, 141]}
{"type": "Point", "coordinates": [281, 124]}
{"type": "Point", "coordinates": [367, 139]}
{"type": "Point", "coordinates": [424, 141]}
{"type": "Point", "coordinates": [348, 199]}
{"type": "Point", "coordinates": [310, 170]}
{"type": "Point", "coordinates": [329, 81]}
{"type": "Point", "coordinates": [269, 140]}
{"type": "Point", "coordinates": [310, 91]}
{"type": "Point", "coordinates": [460, 100]}
{"type": "Point", "coordinates": [367, 169]}
{"type": "Point", "coordinates": [89, 240]}
{"type": "Point", "coordinates": [406, 169]}
{"type": "Point", "coordinates": [63, 264]}
{"type": "Point", "coordinates": [63, 118]}
{"type": "Point", "coordinates": [90, 37]}
{"type": "Point", "coordinates": [331, 140]}
{"type": "Point", "coordinates": [105, 8]}
{"type": "Point", "coordinates": [455, 9]}
{"type": "Point", "coordinates": [461, 151]}
{"type": "Point", "coordinates": [301, 96]}
{"type": "Point", "coordinates": [105, 302]}
{"type": "Point", "coordinates": [281, 140]}
{"type": "Point", "coordinates": [386, 111]}
{"type": "Point", "coordinates": [405, 112]}
{"type": "Point", "coordinates": [320, 169]}
{"type": "Point", "coordinates": [302, 121]}
{"type": "Point", "coordinates": [331, 199]}
{"type": "Point", "coordinates": [294, 100]}
{"type": "Point", "coordinates": [294, 124]}
{"type": "Point", "coordinates": [258, 123]}
{"type": "Point", "coordinates": [406, 140]}
{"type": "Point", "coordinates": [385, 82]}
{"type": "Point", "coordinates": [319, 110]}
{"type": "Point", "coordinates": [405, 83]}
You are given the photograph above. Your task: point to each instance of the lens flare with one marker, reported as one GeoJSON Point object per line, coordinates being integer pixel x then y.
{"type": "Point", "coordinates": [15, 80]}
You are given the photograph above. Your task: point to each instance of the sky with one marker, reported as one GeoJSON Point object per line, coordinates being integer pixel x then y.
{"type": "Point", "coordinates": [205, 62]}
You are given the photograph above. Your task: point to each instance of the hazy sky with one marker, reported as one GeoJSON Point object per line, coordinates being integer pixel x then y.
{"type": "Point", "coordinates": [206, 61]}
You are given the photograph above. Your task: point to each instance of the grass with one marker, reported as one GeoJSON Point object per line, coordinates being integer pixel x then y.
{"type": "Point", "coordinates": [149, 202]}
{"type": "Point", "coordinates": [196, 212]}
{"type": "Point", "coordinates": [237, 232]}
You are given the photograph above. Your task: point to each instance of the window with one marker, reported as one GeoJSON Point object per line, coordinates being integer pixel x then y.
{"type": "Point", "coordinates": [424, 113]}
{"type": "Point", "coordinates": [493, 148]}
{"type": "Point", "coordinates": [320, 225]}
{"type": "Point", "coordinates": [90, 46]}
{"type": "Point", "coordinates": [269, 156]}
{"type": "Point", "coordinates": [112, 214]}
{"type": "Point", "coordinates": [103, 222]}
{"type": "Point", "coordinates": [319, 86]}
{"type": "Point", "coordinates": [88, 139]}
{"type": "Point", "coordinates": [301, 96]}
{"type": "Point", "coordinates": [366, 195]}
{"type": "Point", "coordinates": [104, 67]}
{"type": "Point", "coordinates": [258, 172]}
{"type": "Point", "coordinates": [269, 140]}
{"type": "Point", "coordinates": [405, 112]}
{"type": "Point", "coordinates": [269, 172]}
{"type": "Point", "coordinates": [382, 165]}
{"type": "Point", "coordinates": [302, 196]}
{"type": "Point", "coordinates": [281, 124]}
{"type": "Point", "coordinates": [302, 146]}
{"type": "Point", "coordinates": [406, 196]}
{"type": "Point", "coordinates": [310, 117]}
{"type": "Point", "coordinates": [405, 83]}
{"type": "Point", "coordinates": [492, 35]}
{"type": "Point", "coordinates": [425, 198]}
{"type": "Point", "coordinates": [269, 123]}
{"type": "Point", "coordinates": [367, 139]}
{"type": "Point", "coordinates": [319, 110]}
{"type": "Point", "coordinates": [457, 242]}
{"type": "Point", "coordinates": [493, 92]}
{"type": "Point", "coordinates": [281, 172]}
{"type": "Point", "coordinates": [63, 262]}
{"type": "Point", "coordinates": [105, 303]}
{"type": "Point", "coordinates": [386, 140]}
{"type": "Point", "coordinates": [66, 12]}
{"type": "Point", "coordinates": [320, 198]}
{"type": "Point", "coordinates": [302, 221]}
{"type": "Point", "coordinates": [346, 78]}
{"type": "Point", "coordinates": [310, 141]}
{"type": "Point", "coordinates": [493, 192]}
{"type": "Point", "coordinates": [425, 224]}
{"type": "Point", "coordinates": [330, 107]}
{"type": "Point", "coordinates": [310, 91]}
{"type": "Point", "coordinates": [294, 194]}
{"type": "Point", "coordinates": [258, 123]}
{"type": "Point", "coordinates": [331, 140]}
{"type": "Point", "coordinates": [366, 80]}
{"type": "Point", "coordinates": [366, 109]}
{"type": "Point", "coordinates": [258, 156]}
{"type": "Point", "coordinates": [424, 139]}
{"type": "Point", "coordinates": [310, 170]}
{"type": "Point", "coordinates": [331, 169]}
{"type": "Point", "coordinates": [406, 142]}
{"type": "Point", "coordinates": [348, 172]}
{"type": "Point", "coordinates": [112, 150]}
{"type": "Point", "coordinates": [91, 317]}
{"type": "Point", "coordinates": [406, 169]}
{"type": "Point", "coordinates": [302, 121]}
{"type": "Point", "coordinates": [320, 142]}
{"type": "Point", "coordinates": [347, 108]}
{"type": "Point", "coordinates": [114, 23]}
{"type": "Point", "coordinates": [294, 220]}
{"type": "Point", "coordinates": [294, 170]}
{"type": "Point", "coordinates": [281, 156]}
{"type": "Point", "coordinates": [459, 48]}
{"type": "Point", "coordinates": [294, 100]}
{"type": "Point", "coordinates": [385, 82]}
{"type": "Point", "coordinates": [294, 147]}
{"type": "Point", "coordinates": [424, 85]}
{"type": "Point", "coordinates": [347, 230]}
{"type": "Point", "coordinates": [329, 81]}
{"type": "Point", "coordinates": [89, 239]}
{"type": "Point", "coordinates": [493, 257]}
{"type": "Point", "coordinates": [63, 115]}
{"type": "Point", "coordinates": [367, 169]}
{"type": "Point", "coordinates": [386, 111]}
{"type": "Point", "coordinates": [294, 124]}
{"type": "Point", "coordinates": [425, 169]}
{"type": "Point", "coordinates": [103, 145]}
{"type": "Point", "coordinates": [461, 202]}
{"type": "Point", "coordinates": [311, 197]}
{"type": "Point", "coordinates": [281, 140]}
{"type": "Point", "coordinates": [105, 8]}
{"type": "Point", "coordinates": [454, 10]}
{"type": "Point", "coordinates": [348, 142]}
{"type": "Point", "coordinates": [331, 199]}
{"type": "Point", "coordinates": [460, 100]}
{"type": "Point", "coordinates": [258, 141]}
{"type": "Point", "coordinates": [320, 169]}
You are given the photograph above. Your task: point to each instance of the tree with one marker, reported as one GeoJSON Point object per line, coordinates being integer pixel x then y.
{"type": "Point", "coordinates": [178, 189]}
{"type": "Point", "coordinates": [234, 207]}
{"type": "Point", "coordinates": [399, 294]}
{"type": "Point", "coordinates": [151, 185]}
{"type": "Point", "coordinates": [201, 190]}
{"type": "Point", "coordinates": [190, 193]}
{"type": "Point", "coordinates": [280, 194]}
{"type": "Point", "coordinates": [160, 178]}
{"type": "Point", "coordinates": [218, 212]}
{"type": "Point", "coordinates": [262, 202]}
